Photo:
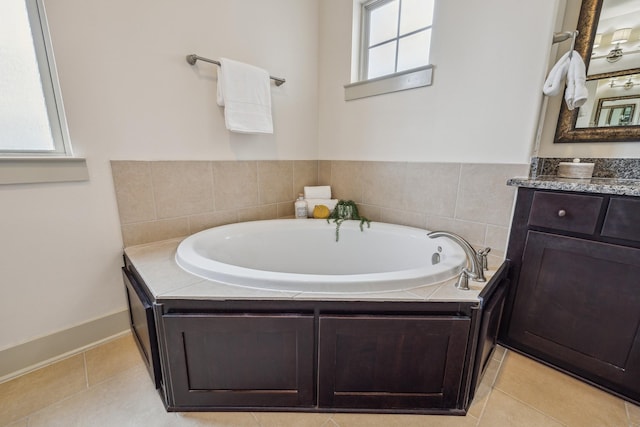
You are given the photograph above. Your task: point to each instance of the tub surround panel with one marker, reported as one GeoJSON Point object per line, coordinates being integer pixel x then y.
{"type": "Point", "coordinates": [432, 189]}
{"type": "Point", "coordinates": [236, 184]}
{"type": "Point", "coordinates": [162, 200]}
{"type": "Point", "coordinates": [182, 188]}
{"type": "Point", "coordinates": [275, 182]}
{"type": "Point", "coordinates": [134, 191]}
{"type": "Point", "coordinates": [482, 196]}
{"type": "Point", "coordinates": [381, 182]}
{"type": "Point", "coordinates": [305, 173]}
{"type": "Point", "coordinates": [153, 231]}
{"type": "Point", "coordinates": [214, 219]}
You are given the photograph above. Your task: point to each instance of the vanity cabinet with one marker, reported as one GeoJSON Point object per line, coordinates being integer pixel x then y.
{"type": "Point", "coordinates": [575, 303]}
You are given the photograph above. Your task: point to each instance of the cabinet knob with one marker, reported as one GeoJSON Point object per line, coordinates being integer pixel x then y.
{"type": "Point", "coordinates": [562, 213]}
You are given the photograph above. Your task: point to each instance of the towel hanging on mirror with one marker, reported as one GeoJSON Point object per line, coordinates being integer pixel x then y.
{"type": "Point", "coordinates": [570, 67]}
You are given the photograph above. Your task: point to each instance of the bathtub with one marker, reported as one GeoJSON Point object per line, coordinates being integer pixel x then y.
{"type": "Point", "coordinates": [303, 255]}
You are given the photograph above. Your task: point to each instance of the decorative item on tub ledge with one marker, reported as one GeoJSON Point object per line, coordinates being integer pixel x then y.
{"type": "Point", "coordinates": [346, 209]}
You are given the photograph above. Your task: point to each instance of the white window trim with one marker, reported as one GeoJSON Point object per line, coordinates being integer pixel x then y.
{"type": "Point", "coordinates": [404, 80]}
{"type": "Point", "coordinates": [18, 167]}
{"type": "Point", "coordinates": [33, 170]}
{"type": "Point", "coordinates": [395, 82]}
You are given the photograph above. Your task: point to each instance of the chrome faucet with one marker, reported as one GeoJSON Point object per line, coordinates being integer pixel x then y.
{"type": "Point", "coordinates": [476, 261]}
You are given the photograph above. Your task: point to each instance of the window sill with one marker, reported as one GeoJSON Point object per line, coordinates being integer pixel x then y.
{"type": "Point", "coordinates": [38, 170]}
{"type": "Point", "coordinates": [410, 79]}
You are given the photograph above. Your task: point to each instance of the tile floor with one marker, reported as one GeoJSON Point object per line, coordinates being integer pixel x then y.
{"type": "Point", "coordinates": [109, 386]}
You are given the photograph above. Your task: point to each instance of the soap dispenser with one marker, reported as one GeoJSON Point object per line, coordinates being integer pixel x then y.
{"type": "Point", "coordinates": [301, 207]}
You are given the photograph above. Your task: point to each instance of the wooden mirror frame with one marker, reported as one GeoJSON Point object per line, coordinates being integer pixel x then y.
{"type": "Point", "coordinates": [566, 130]}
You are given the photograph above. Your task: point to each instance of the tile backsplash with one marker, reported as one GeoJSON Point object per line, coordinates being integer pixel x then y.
{"type": "Point", "coordinates": [158, 200]}
{"type": "Point", "coordinates": [624, 168]}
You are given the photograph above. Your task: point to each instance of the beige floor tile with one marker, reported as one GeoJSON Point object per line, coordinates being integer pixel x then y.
{"type": "Point", "coordinates": [633, 411]}
{"type": "Point", "coordinates": [560, 396]}
{"type": "Point", "coordinates": [290, 419]}
{"type": "Point", "coordinates": [111, 358]}
{"type": "Point", "coordinates": [484, 389]}
{"type": "Point", "coordinates": [128, 399]}
{"type": "Point", "coordinates": [504, 411]}
{"type": "Point", "coordinates": [498, 353]}
{"type": "Point", "coordinates": [384, 420]}
{"type": "Point", "coordinates": [217, 419]}
{"type": "Point", "coordinates": [36, 390]}
{"type": "Point", "coordinates": [20, 423]}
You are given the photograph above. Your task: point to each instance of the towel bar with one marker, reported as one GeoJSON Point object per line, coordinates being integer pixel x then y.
{"type": "Point", "coordinates": [566, 35]}
{"type": "Point", "coordinates": [191, 59]}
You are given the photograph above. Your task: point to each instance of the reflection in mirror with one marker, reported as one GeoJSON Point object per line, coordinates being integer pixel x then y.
{"type": "Point", "coordinates": [604, 95]}
{"type": "Point", "coordinates": [609, 41]}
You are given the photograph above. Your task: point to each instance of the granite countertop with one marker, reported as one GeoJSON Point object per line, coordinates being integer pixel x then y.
{"type": "Point", "coordinates": [621, 187]}
{"type": "Point", "coordinates": [166, 280]}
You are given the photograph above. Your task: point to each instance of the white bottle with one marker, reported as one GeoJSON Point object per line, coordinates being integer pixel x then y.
{"type": "Point", "coordinates": [301, 207]}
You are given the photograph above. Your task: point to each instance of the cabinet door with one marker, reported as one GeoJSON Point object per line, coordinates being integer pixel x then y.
{"type": "Point", "coordinates": [488, 335]}
{"type": "Point", "coordinates": [240, 360]}
{"type": "Point", "coordinates": [143, 326]}
{"type": "Point", "coordinates": [391, 362]}
{"type": "Point", "coordinates": [578, 307]}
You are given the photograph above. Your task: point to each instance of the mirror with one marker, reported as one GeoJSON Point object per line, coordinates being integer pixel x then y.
{"type": "Point", "coordinates": [609, 42]}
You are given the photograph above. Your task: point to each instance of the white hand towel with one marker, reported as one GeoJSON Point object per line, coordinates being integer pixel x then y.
{"type": "Point", "coordinates": [312, 203]}
{"type": "Point", "coordinates": [245, 93]}
{"type": "Point", "coordinates": [555, 80]}
{"type": "Point", "coordinates": [317, 192]}
{"type": "Point", "coordinates": [577, 92]}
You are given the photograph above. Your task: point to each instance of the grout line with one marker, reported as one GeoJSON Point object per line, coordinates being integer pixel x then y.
{"type": "Point", "coordinates": [86, 370]}
{"type": "Point", "coordinates": [71, 396]}
{"type": "Point", "coordinates": [455, 208]}
{"type": "Point", "coordinates": [256, 418]}
{"type": "Point", "coordinates": [530, 406]}
{"type": "Point", "coordinates": [493, 386]}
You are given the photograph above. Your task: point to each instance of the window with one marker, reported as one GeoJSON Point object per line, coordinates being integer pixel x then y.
{"type": "Point", "coordinates": [31, 118]}
{"type": "Point", "coordinates": [396, 36]}
{"type": "Point", "coordinates": [390, 47]}
{"type": "Point", "coordinates": [34, 144]}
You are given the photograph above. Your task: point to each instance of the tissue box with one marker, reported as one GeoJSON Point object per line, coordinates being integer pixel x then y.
{"type": "Point", "coordinates": [575, 170]}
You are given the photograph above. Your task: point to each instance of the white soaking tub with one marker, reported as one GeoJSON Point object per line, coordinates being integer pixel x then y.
{"type": "Point", "coordinates": [303, 255]}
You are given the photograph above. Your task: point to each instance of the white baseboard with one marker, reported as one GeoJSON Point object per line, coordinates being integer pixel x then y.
{"type": "Point", "coordinates": [23, 358]}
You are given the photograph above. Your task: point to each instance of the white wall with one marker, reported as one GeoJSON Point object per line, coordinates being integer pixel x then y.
{"type": "Point", "coordinates": [130, 94]}
{"type": "Point", "coordinates": [490, 61]}
{"type": "Point", "coordinates": [546, 146]}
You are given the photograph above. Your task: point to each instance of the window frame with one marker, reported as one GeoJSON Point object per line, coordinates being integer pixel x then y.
{"type": "Point", "coordinates": [50, 88]}
{"type": "Point", "coordinates": [367, 7]}
{"type": "Point", "coordinates": [399, 81]}
{"type": "Point", "coordinates": [44, 166]}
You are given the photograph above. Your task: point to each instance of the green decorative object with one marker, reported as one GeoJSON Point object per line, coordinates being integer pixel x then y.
{"type": "Point", "coordinates": [346, 209]}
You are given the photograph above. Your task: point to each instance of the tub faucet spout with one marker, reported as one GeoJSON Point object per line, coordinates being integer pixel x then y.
{"type": "Point", "coordinates": [475, 271]}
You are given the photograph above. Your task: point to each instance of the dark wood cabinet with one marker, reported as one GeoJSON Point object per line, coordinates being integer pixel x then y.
{"type": "Point", "coordinates": [240, 360]}
{"type": "Point", "coordinates": [391, 362]}
{"type": "Point", "coordinates": [417, 356]}
{"type": "Point", "coordinates": [576, 299]}
{"type": "Point", "coordinates": [142, 325]}
{"type": "Point", "coordinates": [492, 306]}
